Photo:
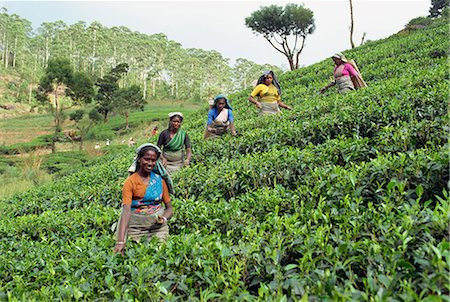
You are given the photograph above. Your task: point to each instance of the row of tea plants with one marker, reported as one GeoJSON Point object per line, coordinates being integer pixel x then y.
{"type": "Point", "coordinates": [344, 198]}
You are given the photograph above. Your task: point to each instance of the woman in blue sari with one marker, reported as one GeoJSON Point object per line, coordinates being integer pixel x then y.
{"type": "Point", "coordinates": [220, 118]}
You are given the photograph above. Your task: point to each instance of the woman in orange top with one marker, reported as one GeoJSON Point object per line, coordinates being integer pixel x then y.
{"type": "Point", "coordinates": [143, 194]}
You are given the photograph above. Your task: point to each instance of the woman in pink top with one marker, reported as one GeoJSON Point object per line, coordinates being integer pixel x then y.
{"type": "Point", "coordinates": [343, 74]}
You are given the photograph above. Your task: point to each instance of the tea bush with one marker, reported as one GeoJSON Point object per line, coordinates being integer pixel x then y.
{"type": "Point", "coordinates": [344, 198]}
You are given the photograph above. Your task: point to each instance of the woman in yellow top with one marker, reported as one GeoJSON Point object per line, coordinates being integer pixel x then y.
{"type": "Point", "coordinates": [267, 94]}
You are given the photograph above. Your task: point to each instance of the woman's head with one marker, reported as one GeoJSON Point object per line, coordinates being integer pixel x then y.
{"type": "Point", "coordinates": [220, 102]}
{"type": "Point", "coordinates": [147, 156]}
{"type": "Point", "coordinates": [175, 120]}
{"type": "Point", "coordinates": [339, 58]}
{"type": "Point", "coordinates": [267, 78]}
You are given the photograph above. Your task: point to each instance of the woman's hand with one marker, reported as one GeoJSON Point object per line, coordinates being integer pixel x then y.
{"type": "Point", "coordinates": [161, 219]}
{"type": "Point", "coordinates": [119, 247]}
{"type": "Point", "coordinates": [163, 161]}
{"type": "Point", "coordinates": [186, 162]}
{"type": "Point", "coordinates": [255, 102]}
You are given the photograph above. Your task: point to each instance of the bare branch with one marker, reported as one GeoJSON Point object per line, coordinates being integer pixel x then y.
{"type": "Point", "coordinates": [351, 24]}
{"type": "Point", "coordinates": [273, 45]}
{"type": "Point", "coordinates": [299, 51]}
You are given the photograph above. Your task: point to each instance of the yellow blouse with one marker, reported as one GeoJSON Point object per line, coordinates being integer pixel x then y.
{"type": "Point", "coordinates": [266, 93]}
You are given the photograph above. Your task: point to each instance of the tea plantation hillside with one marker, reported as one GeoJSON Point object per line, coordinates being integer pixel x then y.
{"type": "Point", "coordinates": [344, 198]}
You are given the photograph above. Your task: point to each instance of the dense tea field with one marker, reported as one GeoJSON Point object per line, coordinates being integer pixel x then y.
{"type": "Point", "coordinates": [344, 198]}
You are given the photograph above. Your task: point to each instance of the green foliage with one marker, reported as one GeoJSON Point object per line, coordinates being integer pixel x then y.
{"type": "Point", "coordinates": [438, 6]}
{"type": "Point", "coordinates": [344, 198]}
{"type": "Point", "coordinates": [162, 67]}
{"type": "Point", "coordinates": [77, 115]}
{"type": "Point", "coordinates": [419, 22]}
{"type": "Point", "coordinates": [276, 24]}
{"type": "Point", "coordinates": [82, 88]}
{"type": "Point", "coordinates": [39, 142]}
{"type": "Point", "coordinates": [63, 163]}
{"type": "Point", "coordinates": [109, 94]}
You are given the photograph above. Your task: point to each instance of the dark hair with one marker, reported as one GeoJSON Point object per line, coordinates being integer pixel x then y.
{"type": "Point", "coordinates": [142, 152]}
{"type": "Point", "coordinates": [148, 148]}
{"type": "Point", "coordinates": [172, 117]}
{"type": "Point", "coordinates": [176, 115]}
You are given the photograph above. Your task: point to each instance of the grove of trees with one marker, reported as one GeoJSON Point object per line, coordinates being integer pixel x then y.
{"type": "Point", "coordinates": [162, 67]}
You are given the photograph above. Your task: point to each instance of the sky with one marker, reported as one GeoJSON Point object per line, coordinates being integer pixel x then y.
{"type": "Point", "coordinates": [220, 25]}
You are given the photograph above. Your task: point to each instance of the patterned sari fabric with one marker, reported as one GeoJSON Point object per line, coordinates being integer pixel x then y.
{"type": "Point", "coordinates": [173, 152]}
{"type": "Point", "coordinates": [143, 219]}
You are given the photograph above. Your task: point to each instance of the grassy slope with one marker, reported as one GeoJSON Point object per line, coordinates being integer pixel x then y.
{"type": "Point", "coordinates": [26, 127]}
{"type": "Point", "coordinates": [342, 199]}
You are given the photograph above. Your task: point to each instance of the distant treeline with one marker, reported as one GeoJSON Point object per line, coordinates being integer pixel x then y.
{"type": "Point", "coordinates": [162, 67]}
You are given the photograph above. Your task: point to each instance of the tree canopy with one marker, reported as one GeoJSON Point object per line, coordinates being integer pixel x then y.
{"type": "Point", "coordinates": [278, 24]}
{"type": "Point", "coordinates": [437, 6]}
{"type": "Point", "coordinates": [59, 80]}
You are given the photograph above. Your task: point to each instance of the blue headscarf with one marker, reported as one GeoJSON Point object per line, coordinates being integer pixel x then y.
{"type": "Point", "coordinates": [274, 81]}
{"type": "Point", "coordinates": [222, 96]}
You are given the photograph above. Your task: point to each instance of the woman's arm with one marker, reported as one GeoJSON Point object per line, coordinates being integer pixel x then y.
{"type": "Point", "coordinates": [160, 144]}
{"type": "Point", "coordinates": [283, 105]}
{"type": "Point", "coordinates": [168, 212]}
{"type": "Point", "coordinates": [210, 116]}
{"type": "Point", "coordinates": [254, 102]}
{"type": "Point", "coordinates": [187, 161]}
{"type": "Point", "coordinates": [233, 130]}
{"type": "Point", "coordinates": [166, 199]}
{"type": "Point", "coordinates": [123, 226]}
{"type": "Point", "coordinates": [328, 86]}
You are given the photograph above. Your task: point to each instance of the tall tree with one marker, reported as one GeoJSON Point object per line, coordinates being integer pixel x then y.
{"type": "Point", "coordinates": [127, 99]}
{"type": "Point", "coordinates": [277, 24]}
{"type": "Point", "coordinates": [108, 88]}
{"type": "Point", "coordinates": [437, 6]}
{"type": "Point", "coordinates": [83, 123]}
{"type": "Point", "coordinates": [58, 81]}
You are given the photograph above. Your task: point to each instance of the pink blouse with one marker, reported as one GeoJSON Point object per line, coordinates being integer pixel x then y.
{"type": "Point", "coordinates": [348, 70]}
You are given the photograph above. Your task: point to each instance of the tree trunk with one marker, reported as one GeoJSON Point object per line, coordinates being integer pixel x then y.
{"type": "Point", "coordinates": [105, 116]}
{"type": "Point", "coordinates": [351, 24]}
{"type": "Point", "coordinates": [46, 52]}
{"type": "Point", "coordinates": [4, 43]}
{"type": "Point", "coordinates": [126, 121]}
{"type": "Point", "coordinates": [145, 87]}
{"type": "Point", "coordinates": [291, 63]}
{"type": "Point", "coordinates": [153, 87]}
{"type": "Point", "coordinates": [6, 55]}
{"type": "Point", "coordinates": [30, 92]}
{"type": "Point", "coordinates": [57, 117]}
{"type": "Point", "coordinates": [362, 39]}
{"type": "Point", "coordinates": [14, 53]}
{"type": "Point", "coordinates": [81, 143]}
